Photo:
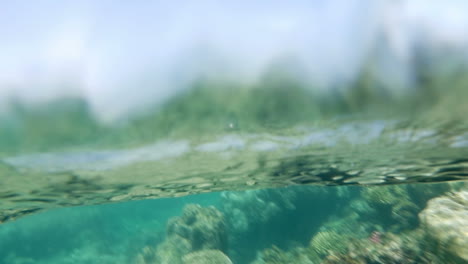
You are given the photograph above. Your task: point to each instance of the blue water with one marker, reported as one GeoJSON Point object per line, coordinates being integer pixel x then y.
{"type": "Point", "coordinates": [110, 233]}
{"type": "Point", "coordinates": [285, 219]}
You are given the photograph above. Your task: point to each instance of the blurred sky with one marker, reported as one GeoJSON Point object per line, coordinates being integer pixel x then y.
{"type": "Point", "coordinates": [124, 55]}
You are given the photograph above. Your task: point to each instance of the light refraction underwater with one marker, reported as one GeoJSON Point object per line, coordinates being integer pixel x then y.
{"type": "Point", "coordinates": [245, 132]}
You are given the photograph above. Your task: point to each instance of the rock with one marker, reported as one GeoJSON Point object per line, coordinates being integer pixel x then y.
{"type": "Point", "coordinates": [203, 228]}
{"type": "Point", "coordinates": [391, 206]}
{"type": "Point", "coordinates": [274, 255]}
{"type": "Point", "coordinates": [388, 249]}
{"type": "Point", "coordinates": [197, 230]}
{"type": "Point", "coordinates": [446, 220]}
{"type": "Point", "coordinates": [206, 257]}
{"type": "Point", "coordinates": [249, 213]}
{"type": "Point", "coordinates": [325, 241]}
{"type": "Point", "coordinates": [171, 251]}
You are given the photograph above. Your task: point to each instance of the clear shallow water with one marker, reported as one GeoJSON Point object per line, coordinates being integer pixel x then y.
{"type": "Point", "coordinates": [283, 225]}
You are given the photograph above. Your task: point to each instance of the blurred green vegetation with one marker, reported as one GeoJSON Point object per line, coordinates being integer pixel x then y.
{"type": "Point", "coordinates": [65, 122]}
{"type": "Point", "coordinates": [279, 100]}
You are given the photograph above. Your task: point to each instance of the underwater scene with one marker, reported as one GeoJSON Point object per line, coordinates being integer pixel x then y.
{"type": "Point", "coordinates": [234, 132]}
{"type": "Point", "coordinates": [413, 223]}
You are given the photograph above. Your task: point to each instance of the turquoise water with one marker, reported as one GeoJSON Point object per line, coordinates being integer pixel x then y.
{"type": "Point", "coordinates": [301, 224]}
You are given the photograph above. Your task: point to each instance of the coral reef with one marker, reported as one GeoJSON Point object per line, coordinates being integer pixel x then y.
{"type": "Point", "coordinates": [446, 220]}
{"type": "Point", "coordinates": [397, 206]}
{"type": "Point", "coordinates": [206, 257]}
{"type": "Point", "coordinates": [388, 248]}
{"type": "Point", "coordinates": [381, 226]}
{"type": "Point", "coordinates": [274, 255]}
{"type": "Point", "coordinates": [372, 225]}
{"type": "Point", "coordinates": [378, 248]}
{"type": "Point", "coordinates": [203, 228]}
{"type": "Point", "coordinates": [198, 229]}
{"type": "Point", "coordinates": [393, 206]}
{"type": "Point", "coordinates": [256, 206]}
{"type": "Point", "coordinates": [320, 246]}
{"type": "Point", "coordinates": [257, 219]}
{"type": "Point", "coordinates": [325, 241]}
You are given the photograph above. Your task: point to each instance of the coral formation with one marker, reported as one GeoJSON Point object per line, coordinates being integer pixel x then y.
{"type": "Point", "coordinates": [206, 257]}
{"type": "Point", "coordinates": [325, 241]}
{"type": "Point", "coordinates": [389, 249]}
{"type": "Point", "coordinates": [397, 206]}
{"type": "Point", "coordinates": [393, 206]}
{"type": "Point", "coordinates": [198, 229]}
{"type": "Point", "coordinates": [360, 233]}
{"type": "Point", "coordinates": [446, 220]}
{"type": "Point", "coordinates": [377, 225]}
{"type": "Point", "coordinates": [274, 255]}
{"type": "Point", "coordinates": [320, 246]}
{"type": "Point", "coordinates": [203, 228]}
{"type": "Point", "coordinates": [269, 211]}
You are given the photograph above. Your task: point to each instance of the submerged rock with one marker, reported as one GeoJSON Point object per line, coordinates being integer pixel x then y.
{"type": "Point", "coordinates": [198, 230]}
{"type": "Point", "coordinates": [446, 220]}
{"type": "Point", "coordinates": [325, 241]}
{"type": "Point", "coordinates": [258, 219]}
{"type": "Point", "coordinates": [378, 248]}
{"type": "Point", "coordinates": [206, 257]}
{"type": "Point", "coordinates": [202, 228]}
{"type": "Point", "coordinates": [388, 248]}
{"type": "Point", "coordinates": [379, 226]}
{"type": "Point", "coordinates": [396, 207]}
{"type": "Point", "coordinates": [275, 255]}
